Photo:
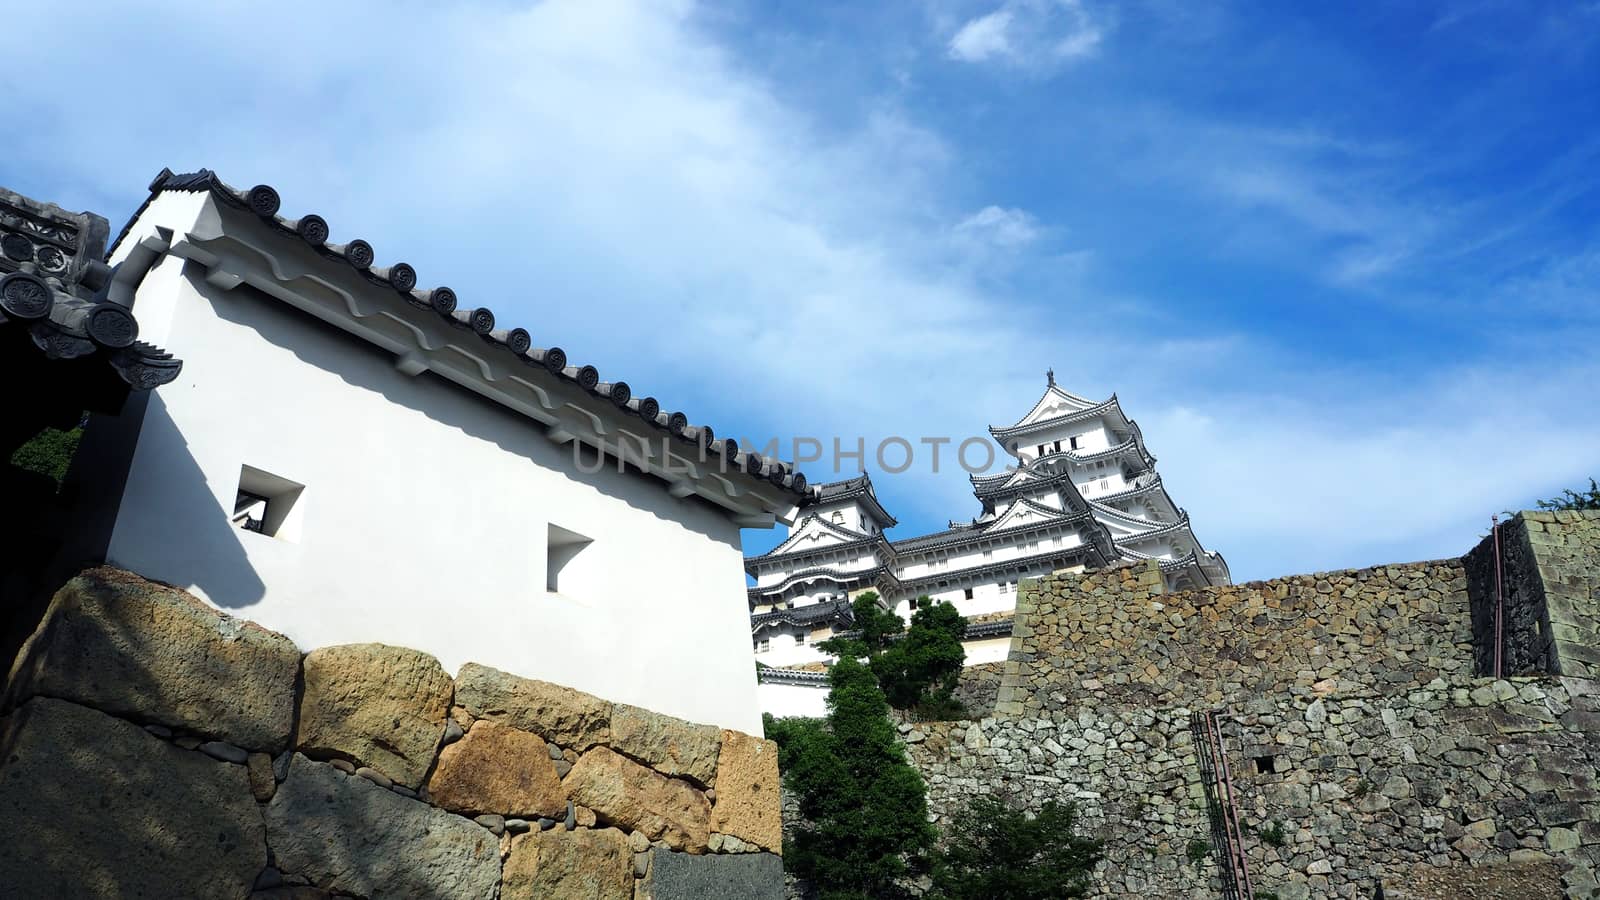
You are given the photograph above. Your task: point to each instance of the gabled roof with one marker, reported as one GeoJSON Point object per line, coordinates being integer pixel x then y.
{"type": "Point", "coordinates": [1000, 526]}
{"type": "Point", "coordinates": [377, 301]}
{"type": "Point", "coordinates": [1028, 480]}
{"type": "Point", "coordinates": [1067, 416]}
{"type": "Point", "coordinates": [58, 296]}
{"type": "Point", "coordinates": [802, 542]}
{"type": "Point", "coordinates": [858, 489]}
{"type": "Point", "coordinates": [1054, 401]}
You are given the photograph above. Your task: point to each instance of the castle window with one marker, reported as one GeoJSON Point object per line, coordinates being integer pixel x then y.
{"type": "Point", "coordinates": [763, 645]}
{"type": "Point", "coordinates": [800, 639]}
{"type": "Point", "coordinates": [1058, 446]}
{"type": "Point", "coordinates": [1041, 449]}
{"type": "Point", "coordinates": [267, 504]}
{"type": "Point", "coordinates": [1073, 442]}
{"type": "Point", "coordinates": [913, 603]}
{"type": "Point", "coordinates": [967, 593]}
{"type": "Point", "coordinates": [838, 518]}
{"type": "Point", "coordinates": [1266, 765]}
{"type": "Point", "coordinates": [562, 546]}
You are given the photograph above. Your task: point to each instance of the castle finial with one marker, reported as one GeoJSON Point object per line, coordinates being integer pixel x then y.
{"type": "Point", "coordinates": [1050, 377]}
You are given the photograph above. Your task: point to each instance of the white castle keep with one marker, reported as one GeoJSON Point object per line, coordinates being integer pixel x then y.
{"type": "Point", "coordinates": [1081, 492]}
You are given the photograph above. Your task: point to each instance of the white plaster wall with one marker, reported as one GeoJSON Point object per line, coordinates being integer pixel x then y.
{"type": "Point", "coordinates": [424, 518]}
{"type": "Point", "coordinates": [783, 700]}
{"type": "Point", "coordinates": [784, 648]}
{"type": "Point", "coordinates": [987, 650]}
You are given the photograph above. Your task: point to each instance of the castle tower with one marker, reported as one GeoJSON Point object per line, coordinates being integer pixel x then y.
{"type": "Point", "coordinates": [1080, 492]}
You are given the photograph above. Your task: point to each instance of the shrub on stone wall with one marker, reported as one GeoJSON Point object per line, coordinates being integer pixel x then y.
{"type": "Point", "coordinates": [993, 849]}
{"type": "Point", "coordinates": [864, 816]}
{"type": "Point", "coordinates": [1571, 499]}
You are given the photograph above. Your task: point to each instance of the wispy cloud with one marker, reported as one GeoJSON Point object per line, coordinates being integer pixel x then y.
{"type": "Point", "coordinates": [612, 176]}
{"type": "Point", "coordinates": [1028, 33]}
{"type": "Point", "coordinates": [1003, 227]}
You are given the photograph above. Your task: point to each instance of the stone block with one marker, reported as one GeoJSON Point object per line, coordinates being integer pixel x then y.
{"type": "Point", "coordinates": [495, 768]}
{"type": "Point", "coordinates": [631, 796]}
{"type": "Point", "coordinates": [748, 791]}
{"type": "Point", "coordinates": [558, 714]}
{"type": "Point", "coordinates": [383, 707]}
{"type": "Point", "coordinates": [93, 806]}
{"type": "Point", "coordinates": [668, 745]}
{"type": "Point", "coordinates": [130, 647]}
{"type": "Point", "coordinates": [679, 876]}
{"type": "Point", "coordinates": [1561, 840]}
{"type": "Point", "coordinates": [346, 834]}
{"type": "Point", "coordinates": [587, 864]}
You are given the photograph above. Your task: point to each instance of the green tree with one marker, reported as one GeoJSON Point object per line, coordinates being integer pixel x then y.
{"type": "Point", "coordinates": [863, 813]}
{"type": "Point", "coordinates": [915, 668]}
{"type": "Point", "coordinates": [994, 850]}
{"type": "Point", "coordinates": [1571, 499]}
{"type": "Point", "coordinates": [921, 671]}
{"type": "Point", "coordinates": [875, 627]}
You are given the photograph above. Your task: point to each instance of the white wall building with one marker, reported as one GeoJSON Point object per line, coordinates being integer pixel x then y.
{"type": "Point", "coordinates": [348, 458]}
{"type": "Point", "coordinates": [1082, 491]}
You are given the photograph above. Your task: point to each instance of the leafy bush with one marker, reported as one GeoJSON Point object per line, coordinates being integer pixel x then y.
{"type": "Point", "coordinates": [993, 850]}
{"type": "Point", "coordinates": [1274, 834]}
{"type": "Point", "coordinates": [864, 821]}
{"type": "Point", "coordinates": [48, 453]}
{"type": "Point", "coordinates": [1198, 851]}
{"type": "Point", "coordinates": [1571, 499]}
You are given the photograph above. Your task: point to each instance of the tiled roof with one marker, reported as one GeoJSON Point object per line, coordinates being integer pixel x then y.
{"type": "Point", "coordinates": [56, 289]}
{"type": "Point", "coordinates": [851, 489]}
{"type": "Point", "coordinates": [816, 613]}
{"type": "Point", "coordinates": [1105, 407]}
{"type": "Point", "coordinates": [263, 201]}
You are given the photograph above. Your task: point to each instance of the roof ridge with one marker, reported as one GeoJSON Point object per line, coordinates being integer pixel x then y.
{"type": "Point", "coordinates": [264, 201]}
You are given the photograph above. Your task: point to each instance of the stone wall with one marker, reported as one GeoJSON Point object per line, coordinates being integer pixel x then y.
{"type": "Point", "coordinates": [156, 747]}
{"type": "Point", "coordinates": [1548, 591]}
{"type": "Point", "coordinates": [1112, 636]}
{"type": "Point", "coordinates": [1363, 744]}
{"type": "Point", "coordinates": [978, 687]}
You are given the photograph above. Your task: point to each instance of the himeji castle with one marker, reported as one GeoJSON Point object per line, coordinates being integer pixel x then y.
{"type": "Point", "coordinates": [1081, 491]}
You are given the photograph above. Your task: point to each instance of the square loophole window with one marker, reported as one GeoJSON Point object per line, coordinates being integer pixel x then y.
{"type": "Point", "coordinates": [1266, 765]}
{"type": "Point", "coordinates": [268, 504]}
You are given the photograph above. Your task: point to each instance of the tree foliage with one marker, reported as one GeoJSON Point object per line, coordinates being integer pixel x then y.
{"type": "Point", "coordinates": [918, 667]}
{"type": "Point", "coordinates": [994, 850]}
{"type": "Point", "coordinates": [922, 669]}
{"type": "Point", "coordinates": [48, 453]}
{"type": "Point", "coordinates": [1571, 499]}
{"type": "Point", "coordinates": [863, 813]}
{"type": "Point", "coordinates": [875, 627]}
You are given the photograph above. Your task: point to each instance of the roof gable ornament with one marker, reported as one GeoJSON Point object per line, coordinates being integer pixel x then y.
{"type": "Point", "coordinates": [58, 294]}
{"type": "Point", "coordinates": [1050, 377]}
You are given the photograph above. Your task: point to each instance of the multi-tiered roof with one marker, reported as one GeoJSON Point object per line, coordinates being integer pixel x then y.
{"type": "Point", "coordinates": [1082, 490]}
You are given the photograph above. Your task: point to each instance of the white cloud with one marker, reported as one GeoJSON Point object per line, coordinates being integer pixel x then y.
{"type": "Point", "coordinates": [983, 37]}
{"type": "Point", "coordinates": [604, 174]}
{"type": "Point", "coordinates": [1028, 33]}
{"type": "Point", "coordinates": [1002, 227]}
{"type": "Point", "coordinates": [1371, 478]}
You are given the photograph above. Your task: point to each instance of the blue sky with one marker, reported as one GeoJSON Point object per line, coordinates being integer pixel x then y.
{"type": "Point", "coordinates": [1341, 261]}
